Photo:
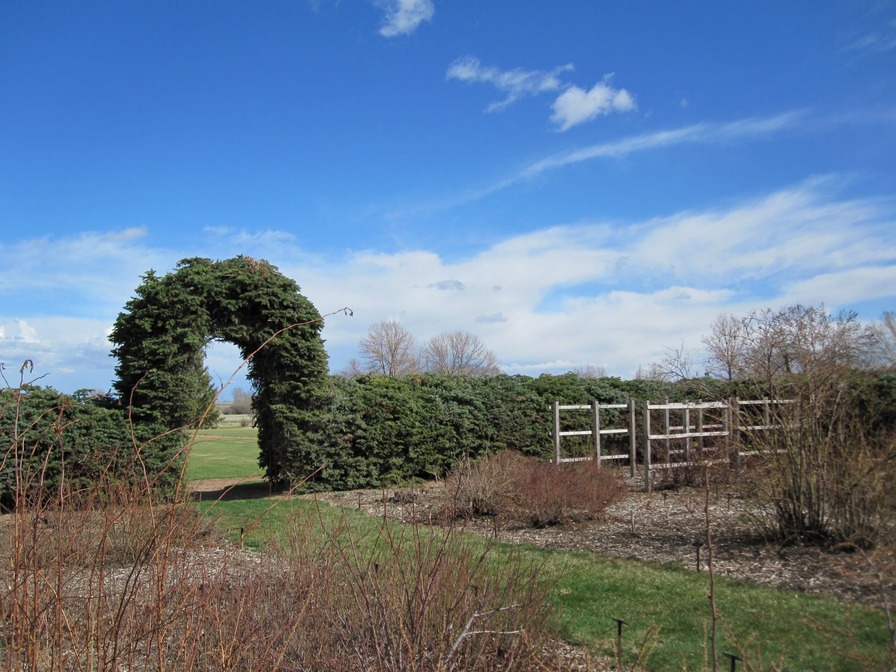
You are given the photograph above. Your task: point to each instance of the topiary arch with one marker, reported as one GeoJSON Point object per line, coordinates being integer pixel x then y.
{"type": "Point", "coordinates": [160, 340]}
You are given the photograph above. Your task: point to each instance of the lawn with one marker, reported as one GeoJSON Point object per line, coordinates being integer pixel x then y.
{"type": "Point", "coordinates": [224, 452]}
{"type": "Point", "coordinates": [666, 609]}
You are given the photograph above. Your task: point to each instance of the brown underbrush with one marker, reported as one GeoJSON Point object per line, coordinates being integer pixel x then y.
{"type": "Point", "coordinates": [532, 491]}
{"type": "Point", "coordinates": [134, 583]}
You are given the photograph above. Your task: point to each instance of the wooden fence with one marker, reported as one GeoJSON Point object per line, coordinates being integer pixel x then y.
{"type": "Point", "coordinates": [675, 435]}
{"type": "Point", "coordinates": [597, 431]}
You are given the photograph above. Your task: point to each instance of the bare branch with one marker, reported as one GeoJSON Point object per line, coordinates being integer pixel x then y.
{"type": "Point", "coordinates": [459, 353]}
{"type": "Point", "coordinates": [389, 349]}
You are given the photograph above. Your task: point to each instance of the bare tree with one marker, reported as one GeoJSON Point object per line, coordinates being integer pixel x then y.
{"type": "Point", "coordinates": [242, 401]}
{"type": "Point", "coordinates": [651, 372]}
{"type": "Point", "coordinates": [590, 371]}
{"type": "Point", "coordinates": [353, 369]}
{"type": "Point", "coordinates": [459, 353]}
{"type": "Point", "coordinates": [389, 349]}
{"type": "Point", "coordinates": [802, 339]}
{"type": "Point", "coordinates": [725, 346]}
{"type": "Point", "coordinates": [677, 364]}
{"type": "Point", "coordinates": [884, 348]}
{"type": "Point", "coordinates": [770, 343]}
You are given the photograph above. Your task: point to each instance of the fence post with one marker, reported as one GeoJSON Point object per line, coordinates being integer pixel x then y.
{"type": "Point", "coordinates": [734, 412]}
{"type": "Point", "coordinates": [666, 431]}
{"type": "Point", "coordinates": [631, 437]}
{"type": "Point", "coordinates": [647, 445]}
{"type": "Point", "coordinates": [557, 433]}
{"type": "Point", "coordinates": [595, 429]}
{"type": "Point", "coordinates": [701, 442]}
{"type": "Point", "coordinates": [687, 430]}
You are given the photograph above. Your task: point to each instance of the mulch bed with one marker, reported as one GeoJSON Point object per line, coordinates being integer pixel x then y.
{"type": "Point", "coordinates": [664, 527]}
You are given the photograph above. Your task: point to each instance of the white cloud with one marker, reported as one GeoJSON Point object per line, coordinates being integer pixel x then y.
{"type": "Point", "coordinates": [610, 294]}
{"type": "Point", "coordinates": [754, 127]}
{"type": "Point", "coordinates": [792, 231]}
{"type": "Point", "coordinates": [66, 353]}
{"type": "Point", "coordinates": [27, 333]}
{"type": "Point", "coordinates": [871, 282]}
{"type": "Point", "coordinates": [514, 84]}
{"type": "Point", "coordinates": [616, 295]}
{"type": "Point", "coordinates": [404, 16]}
{"type": "Point", "coordinates": [576, 106]}
{"type": "Point", "coordinates": [572, 107]}
{"type": "Point", "coordinates": [98, 268]}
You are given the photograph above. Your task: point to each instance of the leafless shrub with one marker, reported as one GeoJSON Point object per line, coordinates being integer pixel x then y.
{"type": "Point", "coordinates": [549, 494]}
{"type": "Point", "coordinates": [536, 492]}
{"type": "Point", "coordinates": [415, 599]}
{"type": "Point", "coordinates": [483, 487]}
{"type": "Point", "coordinates": [827, 473]}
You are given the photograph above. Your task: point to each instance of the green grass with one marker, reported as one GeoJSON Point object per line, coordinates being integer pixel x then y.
{"type": "Point", "coordinates": [665, 608]}
{"type": "Point", "coordinates": [225, 452]}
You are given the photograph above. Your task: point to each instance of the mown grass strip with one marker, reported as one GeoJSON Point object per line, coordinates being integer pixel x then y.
{"type": "Point", "coordinates": [667, 610]}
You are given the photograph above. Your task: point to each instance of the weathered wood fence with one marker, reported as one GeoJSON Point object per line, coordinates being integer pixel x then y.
{"type": "Point", "coordinates": [675, 435]}
{"type": "Point", "coordinates": [597, 431]}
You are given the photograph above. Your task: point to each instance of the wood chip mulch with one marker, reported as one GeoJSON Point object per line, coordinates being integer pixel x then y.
{"type": "Point", "coordinates": [665, 527]}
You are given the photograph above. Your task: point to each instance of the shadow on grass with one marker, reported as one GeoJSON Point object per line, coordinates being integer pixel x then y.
{"type": "Point", "coordinates": [236, 491]}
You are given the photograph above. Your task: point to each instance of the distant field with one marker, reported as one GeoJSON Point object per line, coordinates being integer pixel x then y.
{"type": "Point", "coordinates": [228, 451]}
{"type": "Point", "coordinates": [234, 419]}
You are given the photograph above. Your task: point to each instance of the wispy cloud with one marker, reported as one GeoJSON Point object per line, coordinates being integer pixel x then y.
{"type": "Point", "coordinates": [793, 233]}
{"type": "Point", "coordinates": [703, 133]}
{"type": "Point", "coordinates": [880, 40]}
{"type": "Point", "coordinates": [571, 107]}
{"type": "Point", "coordinates": [98, 267]}
{"type": "Point", "coordinates": [402, 17]}
{"type": "Point", "coordinates": [513, 84]}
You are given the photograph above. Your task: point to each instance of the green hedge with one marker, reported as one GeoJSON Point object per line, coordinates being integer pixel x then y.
{"type": "Point", "coordinates": [380, 429]}
{"type": "Point", "coordinates": [373, 430]}
{"type": "Point", "coordinates": [52, 441]}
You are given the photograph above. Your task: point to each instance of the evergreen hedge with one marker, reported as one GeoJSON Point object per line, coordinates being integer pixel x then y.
{"type": "Point", "coordinates": [161, 336]}
{"type": "Point", "coordinates": [380, 429]}
{"type": "Point", "coordinates": [50, 439]}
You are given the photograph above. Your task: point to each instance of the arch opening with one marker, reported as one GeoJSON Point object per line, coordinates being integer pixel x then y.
{"type": "Point", "coordinates": [160, 340]}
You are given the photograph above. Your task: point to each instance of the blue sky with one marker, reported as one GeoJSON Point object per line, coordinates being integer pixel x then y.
{"type": "Point", "coordinates": [574, 182]}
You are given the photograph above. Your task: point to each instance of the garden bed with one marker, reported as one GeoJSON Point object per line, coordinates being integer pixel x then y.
{"type": "Point", "coordinates": [662, 527]}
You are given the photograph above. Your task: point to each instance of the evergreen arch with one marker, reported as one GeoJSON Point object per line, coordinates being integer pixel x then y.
{"type": "Point", "coordinates": [160, 340]}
